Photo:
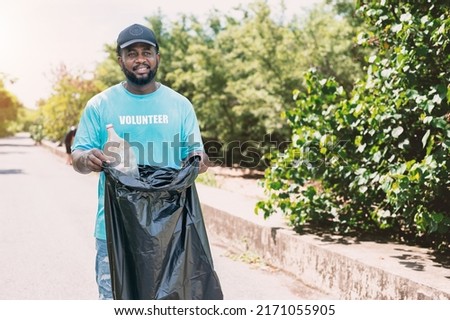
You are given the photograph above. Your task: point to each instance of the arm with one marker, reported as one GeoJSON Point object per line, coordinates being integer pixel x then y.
{"type": "Point", "coordinates": [86, 154]}
{"type": "Point", "coordinates": [194, 141]}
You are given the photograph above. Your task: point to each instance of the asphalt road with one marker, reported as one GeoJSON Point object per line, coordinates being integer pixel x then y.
{"type": "Point", "coordinates": [47, 214]}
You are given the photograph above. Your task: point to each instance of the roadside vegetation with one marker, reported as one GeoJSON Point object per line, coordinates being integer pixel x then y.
{"type": "Point", "coordinates": [345, 107]}
{"type": "Point", "coordinates": [374, 159]}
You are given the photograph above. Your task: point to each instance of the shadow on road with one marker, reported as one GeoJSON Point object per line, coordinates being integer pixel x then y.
{"type": "Point", "coordinates": [11, 171]}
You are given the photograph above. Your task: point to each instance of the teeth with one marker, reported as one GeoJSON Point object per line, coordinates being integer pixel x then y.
{"type": "Point", "coordinates": [141, 69]}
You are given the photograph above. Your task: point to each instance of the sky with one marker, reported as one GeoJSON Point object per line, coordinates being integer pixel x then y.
{"type": "Point", "coordinates": [37, 36]}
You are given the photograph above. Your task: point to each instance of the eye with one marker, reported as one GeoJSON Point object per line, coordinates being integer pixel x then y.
{"type": "Point", "coordinates": [131, 54]}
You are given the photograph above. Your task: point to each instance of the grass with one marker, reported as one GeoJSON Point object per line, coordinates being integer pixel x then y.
{"type": "Point", "coordinates": [207, 178]}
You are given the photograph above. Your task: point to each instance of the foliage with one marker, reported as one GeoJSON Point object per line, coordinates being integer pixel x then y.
{"type": "Point", "coordinates": [208, 178]}
{"type": "Point", "coordinates": [36, 131]}
{"type": "Point", "coordinates": [25, 118]}
{"type": "Point", "coordinates": [376, 158]}
{"type": "Point", "coordinates": [108, 72]}
{"type": "Point", "coordinates": [239, 70]}
{"type": "Point", "coordinates": [64, 107]}
{"type": "Point", "coordinates": [9, 110]}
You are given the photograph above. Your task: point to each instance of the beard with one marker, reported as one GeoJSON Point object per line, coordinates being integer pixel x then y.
{"type": "Point", "coordinates": [143, 80]}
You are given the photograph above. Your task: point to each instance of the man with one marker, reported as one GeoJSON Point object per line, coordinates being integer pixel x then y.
{"type": "Point", "coordinates": [68, 140]}
{"type": "Point", "coordinates": [158, 122]}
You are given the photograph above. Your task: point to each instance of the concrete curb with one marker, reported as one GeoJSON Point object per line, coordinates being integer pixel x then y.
{"type": "Point", "coordinates": [54, 148]}
{"type": "Point", "coordinates": [359, 270]}
{"type": "Point", "coordinates": [343, 268]}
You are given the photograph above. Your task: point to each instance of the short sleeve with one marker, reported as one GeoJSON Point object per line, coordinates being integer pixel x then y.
{"type": "Point", "coordinates": [88, 132]}
{"type": "Point", "coordinates": [191, 133]}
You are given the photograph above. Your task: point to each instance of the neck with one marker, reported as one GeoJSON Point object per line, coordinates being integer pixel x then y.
{"type": "Point", "coordinates": [141, 89]}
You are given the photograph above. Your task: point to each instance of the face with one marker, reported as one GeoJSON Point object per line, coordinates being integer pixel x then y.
{"type": "Point", "coordinates": [139, 63]}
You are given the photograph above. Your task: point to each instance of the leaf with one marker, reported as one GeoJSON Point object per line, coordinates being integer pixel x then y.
{"type": "Point", "coordinates": [276, 185]}
{"type": "Point", "coordinates": [437, 99]}
{"type": "Point", "coordinates": [448, 93]}
{"type": "Point", "coordinates": [397, 132]}
{"type": "Point", "coordinates": [425, 138]}
{"type": "Point", "coordinates": [386, 73]}
{"type": "Point", "coordinates": [397, 28]}
{"type": "Point", "coordinates": [437, 217]}
{"type": "Point", "coordinates": [406, 17]}
{"type": "Point", "coordinates": [377, 156]}
{"type": "Point", "coordinates": [361, 148]}
{"type": "Point", "coordinates": [404, 143]}
{"type": "Point", "coordinates": [427, 119]}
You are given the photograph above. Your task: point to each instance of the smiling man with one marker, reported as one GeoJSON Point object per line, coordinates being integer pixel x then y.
{"type": "Point", "coordinates": [158, 122]}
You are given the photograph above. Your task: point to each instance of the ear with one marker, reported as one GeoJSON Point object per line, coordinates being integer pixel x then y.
{"type": "Point", "coordinates": [120, 61]}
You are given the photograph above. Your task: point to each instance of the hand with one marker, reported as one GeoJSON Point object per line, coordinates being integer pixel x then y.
{"type": "Point", "coordinates": [204, 163]}
{"type": "Point", "coordinates": [94, 159]}
{"type": "Point", "coordinates": [89, 160]}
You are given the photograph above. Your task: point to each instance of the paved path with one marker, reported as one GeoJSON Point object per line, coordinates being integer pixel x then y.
{"type": "Point", "coordinates": [46, 224]}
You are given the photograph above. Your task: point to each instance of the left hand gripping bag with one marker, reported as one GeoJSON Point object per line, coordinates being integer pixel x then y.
{"type": "Point", "coordinates": [157, 242]}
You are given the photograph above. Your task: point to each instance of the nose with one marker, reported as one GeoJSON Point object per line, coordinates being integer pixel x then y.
{"type": "Point", "coordinates": [140, 57]}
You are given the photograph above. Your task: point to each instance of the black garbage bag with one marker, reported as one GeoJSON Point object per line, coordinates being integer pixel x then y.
{"type": "Point", "coordinates": [157, 242]}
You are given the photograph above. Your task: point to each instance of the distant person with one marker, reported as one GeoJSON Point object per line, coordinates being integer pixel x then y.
{"type": "Point", "coordinates": [68, 141]}
{"type": "Point", "coordinates": [148, 113]}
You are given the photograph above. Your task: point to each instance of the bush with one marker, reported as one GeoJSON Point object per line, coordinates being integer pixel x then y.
{"type": "Point", "coordinates": [376, 159]}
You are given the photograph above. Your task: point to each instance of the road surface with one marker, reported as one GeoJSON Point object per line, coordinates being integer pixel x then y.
{"type": "Point", "coordinates": [47, 214]}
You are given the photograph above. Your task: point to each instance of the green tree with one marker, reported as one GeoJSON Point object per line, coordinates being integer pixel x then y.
{"type": "Point", "coordinates": [375, 159]}
{"type": "Point", "coordinates": [239, 70]}
{"type": "Point", "coordinates": [9, 110]}
{"type": "Point", "coordinates": [65, 105]}
{"type": "Point", "coordinates": [108, 73]}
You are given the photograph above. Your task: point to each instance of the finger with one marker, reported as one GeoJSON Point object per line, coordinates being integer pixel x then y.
{"type": "Point", "coordinates": [100, 155]}
{"type": "Point", "coordinates": [93, 162]}
{"type": "Point", "coordinates": [97, 163]}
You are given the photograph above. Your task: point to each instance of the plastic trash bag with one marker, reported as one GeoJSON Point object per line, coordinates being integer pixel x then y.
{"type": "Point", "coordinates": [157, 242]}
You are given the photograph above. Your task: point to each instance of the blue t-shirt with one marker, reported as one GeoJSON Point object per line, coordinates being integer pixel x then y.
{"type": "Point", "coordinates": [161, 127]}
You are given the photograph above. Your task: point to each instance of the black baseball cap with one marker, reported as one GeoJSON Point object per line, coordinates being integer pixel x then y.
{"type": "Point", "coordinates": [136, 33]}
